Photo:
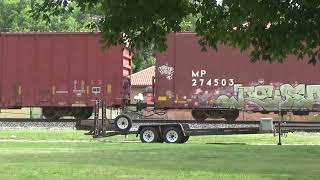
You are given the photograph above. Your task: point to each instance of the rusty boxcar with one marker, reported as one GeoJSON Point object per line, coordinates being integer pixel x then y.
{"type": "Point", "coordinates": [62, 72]}
{"type": "Point", "coordinates": [219, 84]}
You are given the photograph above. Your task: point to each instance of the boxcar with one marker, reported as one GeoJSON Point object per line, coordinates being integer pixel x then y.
{"type": "Point", "coordinates": [219, 84]}
{"type": "Point", "coordinates": [62, 72]}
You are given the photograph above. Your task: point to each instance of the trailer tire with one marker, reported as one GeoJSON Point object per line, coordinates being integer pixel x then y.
{"type": "Point", "coordinates": [160, 140]}
{"type": "Point", "coordinates": [149, 135]}
{"type": "Point", "coordinates": [184, 139]}
{"type": "Point", "coordinates": [172, 135]}
{"type": "Point", "coordinates": [123, 123]}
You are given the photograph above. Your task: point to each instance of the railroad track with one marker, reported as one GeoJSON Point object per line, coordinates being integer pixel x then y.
{"type": "Point", "coordinates": [34, 120]}
{"type": "Point", "coordinates": [134, 121]}
{"type": "Point", "coordinates": [165, 121]}
{"type": "Point", "coordinates": [22, 123]}
{"type": "Point", "coordinates": [286, 126]}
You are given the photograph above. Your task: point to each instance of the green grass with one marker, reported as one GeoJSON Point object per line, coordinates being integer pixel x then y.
{"type": "Point", "coordinates": [40, 155]}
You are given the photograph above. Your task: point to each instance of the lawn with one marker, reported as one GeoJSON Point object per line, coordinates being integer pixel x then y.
{"type": "Point", "coordinates": [43, 154]}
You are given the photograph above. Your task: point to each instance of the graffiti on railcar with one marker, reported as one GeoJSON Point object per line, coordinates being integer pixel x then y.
{"type": "Point", "coordinates": [260, 97]}
{"type": "Point", "coordinates": [166, 71]}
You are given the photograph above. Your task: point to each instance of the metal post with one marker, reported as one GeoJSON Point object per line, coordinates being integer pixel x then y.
{"type": "Point", "coordinates": [244, 102]}
{"type": "Point", "coordinates": [279, 125]}
{"type": "Point", "coordinates": [96, 118]}
{"type": "Point", "coordinates": [31, 115]}
{"type": "Point", "coordinates": [111, 114]}
{"type": "Point", "coordinates": [279, 132]}
{"type": "Point", "coordinates": [104, 115]}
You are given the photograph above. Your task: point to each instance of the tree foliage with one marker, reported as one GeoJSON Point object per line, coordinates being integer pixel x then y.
{"type": "Point", "coordinates": [274, 29]}
{"type": "Point", "coordinates": [15, 16]}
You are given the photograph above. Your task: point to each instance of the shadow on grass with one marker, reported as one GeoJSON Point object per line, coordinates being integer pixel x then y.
{"type": "Point", "coordinates": [226, 143]}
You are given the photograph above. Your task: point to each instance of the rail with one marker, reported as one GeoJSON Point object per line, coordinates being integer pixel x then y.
{"type": "Point", "coordinates": [286, 126]}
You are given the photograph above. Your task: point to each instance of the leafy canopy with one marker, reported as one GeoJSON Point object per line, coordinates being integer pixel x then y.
{"type": "Point", "coordinates": [15, 16]}
{"type": "Point", "coordinates": [274, 29]}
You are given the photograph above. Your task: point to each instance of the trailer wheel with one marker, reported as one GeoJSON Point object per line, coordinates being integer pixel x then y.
{"type": "Point", "coordinates": [199, 115]}
{"type": "Point", "coordinates": [160, 140]}
{"type": "Point", "coordinates": [231, 116]}
{"type": "Point", "coordinates": [123, 123]}
{"type": "Point", "coordinates": [149, 135]}
{"type": "Point", "coordinates": [172, 135]}
{"type": "Point", "coordinates": [185, 139]}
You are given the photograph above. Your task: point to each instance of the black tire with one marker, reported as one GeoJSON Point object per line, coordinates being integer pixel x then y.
{"type": "Point", "coordinates": [160, 140]}
{"type": "Point", "coordinates": [149, 135]}
{"type": "Point", "coordinates": [172, 135]}
{"type": "Point", "coordinates": [123, 123]}
{"type": "Point", "coordinates": [184, 139]}
{"type": "Point", "coordinates": [199, 115]}
{"type": "Point", "coordinates": [231, 116]}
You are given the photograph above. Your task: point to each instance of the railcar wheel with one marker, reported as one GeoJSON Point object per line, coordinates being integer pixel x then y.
{"type": "Point", "coordinates": [172, 135]}
{"type": "Point", "coordinates": [300, 113]}
{"type": "Point", "coordinates": [231, 116]}
{"type": "Point", "coordinates": [82, 113]}
{"type": "Point", "coordinates": [199, 115]}
{"type": "Point", "coordinates": [184, 139]}
{"type": "Point", "coordinates": [51, 113]}
{"type": "Point", "coordinates": [78, 125]}
{"type": "Point", "coordinates": [122, 123]}
{"type": "Point", "coordinates": [215, 114]}
{"type": "Point", "coordinates": [149, 135]}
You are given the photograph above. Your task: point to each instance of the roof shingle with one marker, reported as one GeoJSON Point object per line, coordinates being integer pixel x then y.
{"type": "Point", "coordinates": [144, 77]}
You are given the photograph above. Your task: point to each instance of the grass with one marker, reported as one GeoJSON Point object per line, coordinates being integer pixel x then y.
{"type": "Point", "coordinates": [41, 155]}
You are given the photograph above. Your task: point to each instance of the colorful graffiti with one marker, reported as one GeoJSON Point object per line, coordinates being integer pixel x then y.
{"type": "Point", "coordinates": [264, 97]}
{"type": "Point", "coordinates": [272, 98]}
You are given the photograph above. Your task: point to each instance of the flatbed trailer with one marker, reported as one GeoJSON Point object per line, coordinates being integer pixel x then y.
{"type": "Point", "coordinates": [179, 131]}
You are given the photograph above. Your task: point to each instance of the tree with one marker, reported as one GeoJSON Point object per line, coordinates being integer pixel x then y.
{"type": "Point", "coordinates": [15, 16]}
{"type": "Point", "coordinates": [274, 29]}
{"type": "Point", "coordinates": [143, 57]}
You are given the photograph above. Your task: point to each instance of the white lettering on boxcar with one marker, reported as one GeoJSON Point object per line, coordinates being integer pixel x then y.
{"type": "Point", "coordinates": [195, 74]}
{"type": "Point", "coordinates": [96, 90]}
{"type": "Point", "coordinates": [200, 78]}
{"type": "Point", "coordinates": [212, 82]}
{"type": "Point", "coordinates": [62, 92]}
{"type": "Point", "coordinates": [198, 73]}
{"type": "Point", "coordinates": [166, 70]}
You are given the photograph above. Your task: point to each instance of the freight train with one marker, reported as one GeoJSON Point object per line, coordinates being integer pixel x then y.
{"type": "Point", "coordinates": [63, 73]}
{"type": "Point", "coordinates": [219, 84]}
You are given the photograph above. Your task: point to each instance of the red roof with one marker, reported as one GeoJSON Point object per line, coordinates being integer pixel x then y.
{"type": "Point", "coordinates": [144, 77]}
